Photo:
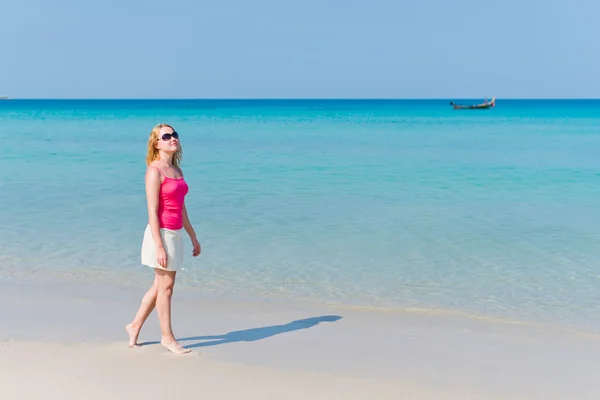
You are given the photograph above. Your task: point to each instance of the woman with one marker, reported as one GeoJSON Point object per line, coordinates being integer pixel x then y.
{"type": "Point", "coordinates": [162, 247]}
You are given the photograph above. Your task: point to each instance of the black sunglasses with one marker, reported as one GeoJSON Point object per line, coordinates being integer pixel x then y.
{"type": "Point", "coordinates": [168, 136]}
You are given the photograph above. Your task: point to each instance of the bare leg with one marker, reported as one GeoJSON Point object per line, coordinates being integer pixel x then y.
{"type": "Point", "coordinates": [148, 303]}
{"type": "Point", "coordinates": [166, 281]}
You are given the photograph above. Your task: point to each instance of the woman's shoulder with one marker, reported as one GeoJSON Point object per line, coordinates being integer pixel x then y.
{"type": "Point", "coordinates": [155, 164]}
{"type": "Point", "coordinates": [154, 169]}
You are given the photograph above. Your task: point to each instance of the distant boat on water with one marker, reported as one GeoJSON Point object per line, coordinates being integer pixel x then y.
{"type": "Point", "coordinates": [486, 104]}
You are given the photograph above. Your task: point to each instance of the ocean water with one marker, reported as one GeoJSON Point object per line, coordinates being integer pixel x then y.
{"type": "Point", "coordinates": [397, 204]}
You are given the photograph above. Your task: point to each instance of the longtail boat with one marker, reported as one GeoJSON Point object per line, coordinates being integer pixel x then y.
{"type": "Point", "coordinates": [486, 104]}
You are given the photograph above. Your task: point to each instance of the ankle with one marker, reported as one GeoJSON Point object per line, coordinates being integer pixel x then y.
{"type": "Point", "coordinates": [135, 325]}
{"type": "Point", "coordinates": [168, 339]}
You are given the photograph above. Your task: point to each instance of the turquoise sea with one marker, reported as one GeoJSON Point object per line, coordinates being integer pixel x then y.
{"type": "Point", "coordinates": [390, 203]}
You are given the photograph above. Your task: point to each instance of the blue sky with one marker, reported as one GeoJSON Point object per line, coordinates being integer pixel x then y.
{"type": "Point", "coordinates": [299, 49]}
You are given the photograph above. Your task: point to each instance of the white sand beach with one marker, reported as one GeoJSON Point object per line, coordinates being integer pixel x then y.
{"type": "Point", "coordinates": [68, 342]}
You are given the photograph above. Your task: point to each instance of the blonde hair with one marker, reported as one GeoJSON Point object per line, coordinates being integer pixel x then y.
{"type": "Point", "coordinates": [153, 153]}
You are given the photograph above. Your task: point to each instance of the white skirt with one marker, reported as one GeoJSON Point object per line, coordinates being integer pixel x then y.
{"type": "Point", "coordinates": [173, 244]}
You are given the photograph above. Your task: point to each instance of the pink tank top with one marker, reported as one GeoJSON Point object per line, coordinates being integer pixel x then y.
{"type": "Point", "coordinates": [170, 202]}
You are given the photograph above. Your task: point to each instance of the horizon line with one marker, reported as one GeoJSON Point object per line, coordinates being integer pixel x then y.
{"type": "Point", "coordinates": [297, 98]}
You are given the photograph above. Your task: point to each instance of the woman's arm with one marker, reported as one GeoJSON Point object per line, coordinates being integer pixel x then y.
{"type": "Point", "coordinates": [187, 225]}
{"type": "Point", "coordinates": [152, 191]}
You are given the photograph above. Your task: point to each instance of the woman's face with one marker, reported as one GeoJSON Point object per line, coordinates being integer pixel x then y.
{"type": "Point", "coordinates": [168, 140]}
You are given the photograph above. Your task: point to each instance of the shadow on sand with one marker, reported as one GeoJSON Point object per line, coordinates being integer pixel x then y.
{"type": "Point", "coordinates": [254, 334]}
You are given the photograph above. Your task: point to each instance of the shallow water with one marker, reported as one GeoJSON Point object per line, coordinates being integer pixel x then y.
{"type": "Point", "coordinates": [380, 203]}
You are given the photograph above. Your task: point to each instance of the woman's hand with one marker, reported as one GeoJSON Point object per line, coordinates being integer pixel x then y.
{"type": "Point", "coordinates": [197, 248]}
{"type": "Point", "coordinates": [161, 257]}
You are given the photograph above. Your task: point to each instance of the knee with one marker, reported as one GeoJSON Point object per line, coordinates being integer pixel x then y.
{"type": "Point", "coordinates": [166, 290]}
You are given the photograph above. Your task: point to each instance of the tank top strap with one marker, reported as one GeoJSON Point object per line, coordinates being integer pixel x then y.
{"type": "Point", "coordinates": [159, 171]}
{"type": "Point", "coordinates": [166, 177]}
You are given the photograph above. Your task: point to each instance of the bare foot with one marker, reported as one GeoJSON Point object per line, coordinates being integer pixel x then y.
{"type": "Point", "coordinates": [133, 335]}
{"type": "Point", "coordinates": [174, 347]}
